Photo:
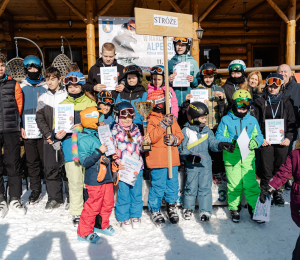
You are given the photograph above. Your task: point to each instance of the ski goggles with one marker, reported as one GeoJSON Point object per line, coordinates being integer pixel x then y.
{"type": "Point", "coordinates": [127, 111]}
{"type": "Point", "coordinates": [236, 67]}
{"type": "Point", "coordinates": [243, 102]}
{"type": "Point", "coordinates": [107, 101]}
{"type": "Point", "coordinates": [157, 70]}
{"type": "Point", "coordinates": [277, 81]}
{"type": "Point", "coordinates": [180, 39]}
{"type": "Point", "coordinates": [32, 62]}
{"type": "Point", "coordinates": [208, 72]}
{"type": "Point", "coordinates": [73, 80]}
{"type": "Point", "coordinates": [129, 69]}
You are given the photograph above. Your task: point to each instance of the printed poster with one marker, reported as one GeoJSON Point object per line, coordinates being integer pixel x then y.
{"type": "Point", "coordinates": [64, 117]}
{"type": "Point", "coordinates": [200, 95]}
{"type": "Point", "coordinates": [31, 128]}
{"type": "Point", "coordinates": [106, 137]}
{"type": "Point", "coordinates": [132, 169]}
{"type": "Point", "coordinates": [274, 130]}
{"type": "Point", "coordinates": [109, 77]}
{"type": "Point", "coordinates": [182, 70]}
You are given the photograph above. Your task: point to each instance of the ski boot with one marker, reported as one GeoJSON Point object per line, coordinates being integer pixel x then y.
{"type": "Point", "coordinates": [136, 222]}
{"type": "Point", "coordinates": [107, 231]}
{"type": "Point", "coordinates": [75, 220]}
{"type": "Point", "coordinates": [235, 216]}
{"type": "Point", "coordinates": [187, 214]}
{"type": "Point", "coordinates": [92, 238]}
{"type": "Point", "coordinates": [51, 205]}
{"type": "Point", "coordinates": [204, 216]}
{"type": "Point", "coordinates": [158, 219]}
{"type": "Point", "coordinates": [35, 197]}
{"type": "Point", "coordinates": [277, 199]}
{"type": "Point", "coordinates": [16, 206]}
{"type": "Point", "coordinates": [3, 206]}
{"type": "Point", "coordinates": [172, 213]}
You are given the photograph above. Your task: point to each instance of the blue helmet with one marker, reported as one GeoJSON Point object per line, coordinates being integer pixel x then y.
{"type": "Point", "coordinates": [74, 77]}
{"type": "Point", "coordinates": [158, 70]}
{"type": "Point", "coordinates": [32, 61]}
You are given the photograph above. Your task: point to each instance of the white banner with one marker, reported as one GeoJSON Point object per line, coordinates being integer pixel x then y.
{"type": "Point", "coordinates": [145, 51]}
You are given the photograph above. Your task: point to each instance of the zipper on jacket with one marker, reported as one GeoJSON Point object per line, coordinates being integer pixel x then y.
{"type": "Point", "coordinates": [33, 101]}
{"type": "Point", "coordinates": [240, 133]}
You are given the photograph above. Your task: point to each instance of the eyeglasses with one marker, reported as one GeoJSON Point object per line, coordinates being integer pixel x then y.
{"type": "Point", "coordinates": [157, 70]}
{"type": "Point", "coordinates": [127, 111]}
{"type": "Point", "coordinates": [208, 72]}
{"type": "Point", "coordinates": [277, 81]}
{"type": "Point", "coordinates": [243, 102]}
{"type": "Point", "coordinates": [236, 67]}
{"type": "Point", "coordinates": [73, 80]}
{"type": "Point", "coordinates": [182, 40]}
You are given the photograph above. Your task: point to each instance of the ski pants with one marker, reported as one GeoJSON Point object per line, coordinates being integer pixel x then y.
{"type": "Point", "coordinates": [11, 144]}
{"type": "Point", "coordinates": [75, 173]}
{"type": "Point", "coordinates": [163, 187]}
{"type": "Point", "coordinates": [130, 200]}
{"type": "Point", "coordinates": [198, 185]}
{"type": "Point", "coordinates": [34, 160]}
{"type": "Point", "coordinates": [100, 201]}
{"type": "Point", "coordinates": [271, 158]}
{"type": "Point", "coordinates": [241, 175]}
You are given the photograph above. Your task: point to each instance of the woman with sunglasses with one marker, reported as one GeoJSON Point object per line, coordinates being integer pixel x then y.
{"type": "Point", "coordinates": [240, 173]}
{"type": "Point", "coordinates": [274, 105]}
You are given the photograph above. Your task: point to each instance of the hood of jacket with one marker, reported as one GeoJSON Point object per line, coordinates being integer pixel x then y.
{"type": "Point", "coordinates": [24, 82]}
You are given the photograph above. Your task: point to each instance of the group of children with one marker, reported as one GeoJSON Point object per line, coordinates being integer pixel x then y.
{"type": "Point", "coordinates": [91, 175]}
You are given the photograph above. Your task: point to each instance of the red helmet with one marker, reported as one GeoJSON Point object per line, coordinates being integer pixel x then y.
{"type": "Point", "coordinates": [158, 96]}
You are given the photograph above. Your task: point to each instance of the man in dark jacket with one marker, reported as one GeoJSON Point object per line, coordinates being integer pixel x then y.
{"type": "Point", "coordinates": [107, 59]}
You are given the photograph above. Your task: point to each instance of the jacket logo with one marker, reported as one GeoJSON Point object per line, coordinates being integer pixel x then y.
{"type": "Point", "coordinates": [250, 123]}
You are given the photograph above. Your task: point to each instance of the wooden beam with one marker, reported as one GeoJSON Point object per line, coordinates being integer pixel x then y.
{"type": "Point", "coordinates": [48, 9]}
{"type": "Point", "coordinates": [104, 9]}
{"type": "Point", "coordinates": [208, 10]}
{"type": "Point", "coordinates": [256, 9]}
{"type": "Point", "coordinates": [181, 4]}
{"type": "Point", "coordinates": [3, 6]}
{"type": "Point", "coordinates": [282, 34]}
{"type": "Point", "coordinates": [7, 16]}
{"type": "Point", "coordinates": [278, 11]}
{"type": "Point", "coordinates": [90, 34]}
{"type": "Point", "coordinates": [175, 6]}
{"type": "Point", "coordinates": [291, 34]}
{"type": "Point", "coordinates": [195, 44]}
{"type": "Point", "coordinates": [75, 10]}
{"type": "Point", "coordinates": [298, 16]}
{"type": "Point", "coordinates": [237, 24]}
{"type": "Point", "coordinates": [218, 9]}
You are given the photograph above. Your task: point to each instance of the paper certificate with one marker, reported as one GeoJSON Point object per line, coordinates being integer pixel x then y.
{"type": "Point", "coordinates": [31, 129]}
{"type": "Point", "coordinates": [106, 137]}
{"type": "Point", "coordinates": [64, 117]}
{"type": "Point", "coordinates": [274, 130]}
{"type": "Point", "coordinates": [109, 77]}
{"type": "Point", "coordinates": [132, 169]}
{"type": "Point", "coordinates": [200, 95]}
{"type": "Point", "coordinates": [243, 142]}
{"type": "Point", "coordinates": [262, 211]}
{"type": "Point", "coordinates": [182, 69]}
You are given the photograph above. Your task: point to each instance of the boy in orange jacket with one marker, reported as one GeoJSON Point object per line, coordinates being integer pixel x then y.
{"type": "Point", "coordinates": [157, 160]}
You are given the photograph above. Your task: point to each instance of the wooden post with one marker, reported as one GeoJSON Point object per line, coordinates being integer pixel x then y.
{"type": "Point", "coordinates": [291, 34]}
{"type": "Point", "coordinates": [90, 34]}
{"type": "Point", "coordinates": [195, 44]}
{"type": "Point", "coordinates": [167, 96]}
{"type": "Point", "coordinates": [282, 42]}
{"type": "Point", "coordinates": [3, 6]}
{"type": "Point", "coordinates": [249, 54]}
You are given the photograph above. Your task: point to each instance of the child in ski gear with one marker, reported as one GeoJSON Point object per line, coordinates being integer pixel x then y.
{"type": "Point", "coordinates": [274, 105]}
{"type": "Point", "coordinates": [108, 59]}
{"type": "Point", "coordinates": [290, 168]}
{"type": "Point", "coordinates": [128, 140]}
{"type": "Point", "coordinates": [98, 178]}
{"type": "Point", "coordinates": [33, 86]}
{"type": "Point", "coordinates": [52, 150]}
{"type": "Point", "coordinates": [158, 82]}
{"type": "Point", "coordinates": [105, 102]}
{"type": "Point", "coordinates": [157, 160]}
{"type": "Point", "coordinates": [133, 90]}
{"type": "Point", "coordinates": [198, 139]}
{"type": "Point", "coordinates": [11, 107]}
{"type": "Point", "coordinates": [74, 82]}
{"type": "Point", "coordinates": [240, 173]}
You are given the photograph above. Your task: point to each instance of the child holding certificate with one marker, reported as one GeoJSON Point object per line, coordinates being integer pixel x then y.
{"type": "Point", "coordinates": [158, 82]}
{"type": "Point", "coordinates": [128, 141]}
{"type": "Point", "coordinates": [274, 110]}
{"type": "Point", "coordinates": [105, 102]}
{"type": "Point", "coordinates": [74, 82]}
{"type": "Point", "coordinates": [157, 160]}
{"type": "Point", "coordinates": [240, 172]}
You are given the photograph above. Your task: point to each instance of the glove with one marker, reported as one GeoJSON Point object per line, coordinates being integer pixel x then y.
{"type": "Point", "coordinates": [253, 144]}
{"type": "Point", "coordinates": [104, 162]}
{"type": "Point", "coordinates": [193, 159]}
{"type": "Point", "coordinates": [267, 192]}
{"type": "Point", "coordinates": [171, 140]}
{"type": "Point", "coordinates": [229, 147]}
{"type": "Point", "coordinates": [166, 121]}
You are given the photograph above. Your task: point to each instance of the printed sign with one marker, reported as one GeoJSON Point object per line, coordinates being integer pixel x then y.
{"type": "Point", "coordinates": [64, 117]}
{"type": "Point", "coordinates": [132, 169]}
{"type": "Point", "coordinates": [274, 130]}
{"type": "Point", "coordinates": [106, 137]}
{"type": "Point", "coordinates": [109, 77]}
{"type": "Point", "coordinates": [165, 20]}
{"type": "Point", "coordinates": [31, 129]}
{"type": "Point", "coordinates": [262, 210]}
{"type": "Point", "coordinates": [200, 95]}
{"type": "Point", "coordinates": [182, 70]}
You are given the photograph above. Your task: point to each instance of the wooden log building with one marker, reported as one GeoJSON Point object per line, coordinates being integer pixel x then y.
{"type": "Point", "coordinates": [260, 32]}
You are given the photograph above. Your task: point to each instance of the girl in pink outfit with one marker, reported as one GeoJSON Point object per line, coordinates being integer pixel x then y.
{"type": "Point", "coordinates": [157, 82]}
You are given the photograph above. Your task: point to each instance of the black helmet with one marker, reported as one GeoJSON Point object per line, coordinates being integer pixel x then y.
{"type": "Point", "coordinates": [208, 69]}
{"type": "Point", "coordinates": [195, 110]}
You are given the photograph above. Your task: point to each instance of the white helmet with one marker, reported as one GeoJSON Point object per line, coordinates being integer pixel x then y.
{"type": "Point", "coordinates": [237, 65]}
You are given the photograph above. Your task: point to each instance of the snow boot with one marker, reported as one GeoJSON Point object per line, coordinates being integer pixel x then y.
{"type": "Point", "coordinates": [250, 210]}
{"type": "Point", "coordinates": [67, 204]}
{"type": "Point", "coordinates": [158, 219]}
{"type": "Point", "coordinates": [16, 206]}
{"type": "Point", "coordinates": [75, 220]}
{"type": "Point", "coordinates": [136, 223]}
{"type": "Point", "coordinates": [126, 225]}
{"type": "Point", "coordinates": [187, 214]}
{"type": "Point", "coordinates": [172, 213]}
{"type": "Point", "coordinates": [3, 207]}
{"type": "Point", "coordinates": [277, 199]}
{"type": "Point", "coordinates": [107, 231]}
{"type": "Point", "coordinates": [50, 205]}
{"type": "Point", "coordinates": [288, 185]}
{"type": "Point", "coordinates": [92, 238]}
{"type": "Point", "coordinates": [235, 216]}
{"type": "Point", "coordinates": [35, 197]}
{"type": "Point", "coordinates": [204, 216]}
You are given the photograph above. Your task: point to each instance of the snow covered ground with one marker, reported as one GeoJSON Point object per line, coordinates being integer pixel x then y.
{"type": "Point", "coordinates": [41, 236]}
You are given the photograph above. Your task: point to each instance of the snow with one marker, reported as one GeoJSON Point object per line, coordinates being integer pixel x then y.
{"type": "Point", "coordinates": [39, 235]}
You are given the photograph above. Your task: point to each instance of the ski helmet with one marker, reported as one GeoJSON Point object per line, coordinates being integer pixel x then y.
{"type": "Point", "coordinates": [105, 97]}
{"type": "Point", "coordinates": [184, 40]}
{"type": "Point", "coordinates": [208, 69]}
{"type": "Point", "coordinates": [237, 65]}
{"type": "Point", "coordinates": [133, 69]}
{"type": "Point", "coordinates": [122, 109]}
{"type": "Point", "coordinates": [157, 70]}
{"type": "Point", "coordinates": [195, 110]}
{"type": "Point", "coordinates": [74, 77]}
{"type": "Point", "coordinates": [242, 98]}
{"type": "Point", "coordinates": [32, 61]}
{"type": "Point", "coordinates": [275, 78]}
{"type": "Point", "coordinates": [159, 101]}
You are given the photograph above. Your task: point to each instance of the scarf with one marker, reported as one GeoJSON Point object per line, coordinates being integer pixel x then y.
{"type": "Point", "coordinates": [34, 80]}
{"type": "Point", "coordinates": [75, 96]}
{"type": "Point", "coordinates": [275, 98]}
{"type": "Point", "coordinates": [238, 114]}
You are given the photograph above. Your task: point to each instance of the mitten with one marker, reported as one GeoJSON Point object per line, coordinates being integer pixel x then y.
{"type": "Point", "coordinates": [229, 147]}
{"type": "Point", "coordinates": [171, 140]}
{"type": "Point", "coordinates": [253, 144]}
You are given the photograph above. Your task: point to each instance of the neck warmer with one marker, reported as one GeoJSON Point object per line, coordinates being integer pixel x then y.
{"type": "Point", "coordinates": [208, 86]}
{"type": "Point", "coordinates": [130, 87]}
{"type": "Point", "coordinates": [238, 114]}
{"type": "Point", "coordinates": [160, 110]}
{"type": "Point", "coordinates": [275, 98]}
{"type": "Point", "coordinates": [126, 128]}
{"type": "Point", "coordinates": [238, 80]}
{"type": "Point", "coordinates": [201, 126]}
{"type": "Point", "coordinates": [75, 96]}
{"type": "Point", "coordinates": [34, 80]}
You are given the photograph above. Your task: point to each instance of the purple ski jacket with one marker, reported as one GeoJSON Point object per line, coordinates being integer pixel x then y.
{"type": "Point", "coordinates": [290, 168]}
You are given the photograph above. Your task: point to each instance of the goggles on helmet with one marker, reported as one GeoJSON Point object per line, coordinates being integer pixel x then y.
{"type": "Point", "coordinates": [73, 80]}
{"type": "Point", "coordinates": [127, 111]}
{"type": "Point", "coordinates": [129, 69]}
{"type": "Point", "coordinates": [277, 81]}
{"type": "Point", "coordinates": [243, 102]}
{"type": "Point", "coordinates": [107, 101]}
{"type": "Point", "coordinates": [208, 72]}
{"type": "Point", "coordinates": [180, 39]}
{"type": "Point", "coordinates": [157, 70]}
{"type": "Point", "coordinates": [32, 62]}
{"type": "Point", "coordinates": [236, 67]}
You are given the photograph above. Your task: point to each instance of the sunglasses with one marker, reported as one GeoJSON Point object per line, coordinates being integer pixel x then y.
{"type": "Point", "coordinates": [277, 81]}
{"type": "Point", "coordinates": [127, 111]}
{"type": "Point", "coordinates": [243, 102]}
{"type": "Point", "coordinates": [73, 80]}
{"type": "Point", "coordinates": [129, 69]}
{"type": "Point", "coordinates": [182, 40]}
{"type": "Point", "coordinates": [156, 69]}
{"type": "Point", "coordinates": [208, 72]}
